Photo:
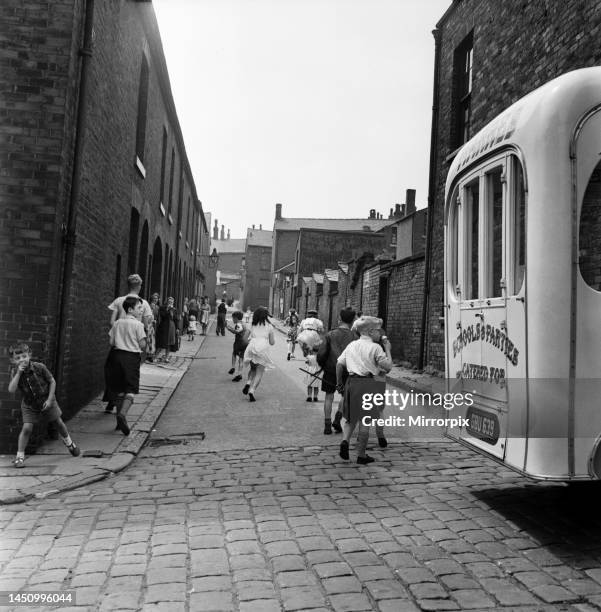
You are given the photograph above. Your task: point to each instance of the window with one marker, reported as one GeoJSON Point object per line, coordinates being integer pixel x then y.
{"type": "Point", "coordinates": [171, 181]}
{"type": "Point", "coordinates": [142, 111]}
{"type": "Point", "coordinates": [472, 216]}
{"type": "Point", "coordinates": [463, 81]}
{"type": "Point", "coordinates": [393, 235]}
{"type": "Point", "coordinates": [519, 227]}
{"type": "Point", "coordinates": [494, 202]}
{"type": "Point", "coordinates": [486, 231]}
{"type": "Point", "coordinates": [589, 232]}
{"type": "Point", "coordinates": [188, 223]}
{"type": "Point", "coordinates": [163, 168]}
{"type": "Point", "coordinates": [265, 261]}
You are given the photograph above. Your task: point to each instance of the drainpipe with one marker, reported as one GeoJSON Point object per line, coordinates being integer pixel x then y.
{"type": "Point", "coordinates": [431, 197]}
{"type": "Point", "coordinates": [70, 229]}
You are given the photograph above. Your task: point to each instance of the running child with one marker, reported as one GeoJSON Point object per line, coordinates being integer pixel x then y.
{"type": "Point", "coordinates": [241, 334]}
{"type": "Point", "coordinates": [37, 387]}
{"type": "Point", "coordinates": [257, 352]}
{"type": "Point", "coordinates": [364, 360]}
{"type": "Point", "coordinates": [312, 378]}
{"type": "Point", "coordinates": [292, 322]}
{"type": "Point", "coordinates": [122, 370]}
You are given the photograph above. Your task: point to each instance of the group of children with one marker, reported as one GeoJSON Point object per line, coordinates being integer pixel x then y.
{"type": "Point", "coordinates": [251, 348]}
{"type": "Point", "coordinates": [348, 359]}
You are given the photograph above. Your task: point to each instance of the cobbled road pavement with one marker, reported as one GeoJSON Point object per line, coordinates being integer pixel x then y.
{"type": "Point", "coordinates": [277, 521]}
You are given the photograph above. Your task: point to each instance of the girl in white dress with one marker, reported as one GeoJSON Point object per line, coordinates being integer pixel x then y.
{"type": "Point", "coordinates": [257, 352]}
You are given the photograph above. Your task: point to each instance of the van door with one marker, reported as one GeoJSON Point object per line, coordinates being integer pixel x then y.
{"type": "Point", "coordinates": [479, 313]}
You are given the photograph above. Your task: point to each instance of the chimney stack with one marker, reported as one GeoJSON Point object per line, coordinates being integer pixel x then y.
{"type": "Point", "coordinates": [222, 232]}
{"type": "Point", "coordinates": [278, 212]}
{"type": "Point", "coordinates": [397, 211]}
{"type": "Point", "coordinates": [410, 201]}
{"type": "Point", "coordinates": [260, 226]}
{"type": "Point", "coordinates": [253, 226]}
{"type": "Point", "coordinates": [228, 234]}
{"type": "Point", "coordinates": [372, 213]}
{"type": "Point", "coordinates": [216, 231]}
{"type": "Point", "coordinates": [390, 215]}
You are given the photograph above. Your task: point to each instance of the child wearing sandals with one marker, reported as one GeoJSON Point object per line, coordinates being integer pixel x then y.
{"type": "Point", "coordinates": [37, 387]}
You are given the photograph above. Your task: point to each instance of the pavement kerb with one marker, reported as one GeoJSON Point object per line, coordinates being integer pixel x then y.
{"type": "Point", "coordinates": [118, 461]}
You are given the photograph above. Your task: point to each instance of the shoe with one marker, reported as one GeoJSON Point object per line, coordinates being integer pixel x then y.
{"type": "Point", "coordinates": [74, 449]}
{"type": "Point", "coordinates": [365, 460]}
{"type": "Point", "coordinates": [245, 388]}
{"type": "Point", "coordinates": [19, 462]}
{"type": "Point", "coordinates": [337, 427]}
{"type": "Point", "coordinates": [231, 371]}
{"type": "Point", "coordinates": [251, 397]}
{"type": "Point", "coordinates": [382, 442]}
{"type": "Point", "coordinates": [122, 424]}
{"type": "Point", "coordinates": [288, 358]}
{"type": "Point", "coordinates": [108, 409]}
{"type": "Point", "coordinates": [309, 399]}
{"type": "Point", "coordinates": [327, 429]}
{"type": "Point", "coordinates": [237, 378]}
{"type": "Point", "coordinates": [315, 399]}
{"type": "Point", "coordinates": [344, 450]}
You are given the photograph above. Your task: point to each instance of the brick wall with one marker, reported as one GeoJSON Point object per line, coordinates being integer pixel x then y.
{"type": "Point", "coordinates": [518, 46]}
{"type": "Point", "coordinates": [40, 78]}
{"type": "Point", "coordinates": [371, 291]}
{"type": "Point", "coordinates": [320, 249]}
{"type": "Point", "coordinates": [405, 299]}
{"type": "Point", "coordinates": [256, 285]}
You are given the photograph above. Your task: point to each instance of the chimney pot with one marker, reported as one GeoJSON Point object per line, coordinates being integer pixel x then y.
{"type": "Point", "coordinates": [372, 213]}
{"type": "Point", "coordinates": [253, 226]}
{"type": "Point", "coordinates": [278, 211]}
{"type": "Point", "coordinates": [390, 214]}
{"type": "Point", "coordinates": [228, 234]}
{"type": "Point", "coordinates": [222, 234]}
{"type": "Point", "coordinates": [260, 226]}
{"type": "Point", "coordinates": [397, 211]}
{"type": "Point", "coordinates": [410, 200]}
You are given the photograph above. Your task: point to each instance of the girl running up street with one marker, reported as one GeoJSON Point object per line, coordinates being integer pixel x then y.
{"type": "Point", "coordinates": [256, 356]}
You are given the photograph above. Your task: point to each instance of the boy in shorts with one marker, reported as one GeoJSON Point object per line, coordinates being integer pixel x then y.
{"type": "Point", "coordinates": [37, 387]}
{"type": "Point", "coordinates": [122, 370]}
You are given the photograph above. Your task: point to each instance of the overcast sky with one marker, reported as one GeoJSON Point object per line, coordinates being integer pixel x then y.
{"type": "Point", "coordinates": [322, 105]}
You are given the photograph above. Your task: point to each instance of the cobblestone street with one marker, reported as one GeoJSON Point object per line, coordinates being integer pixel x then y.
{"type": "Point", "coordinates": [274, 520]}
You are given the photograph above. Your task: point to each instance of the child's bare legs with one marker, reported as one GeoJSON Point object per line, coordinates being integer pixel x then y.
{"type": "Point", "coordinates": [315, 393]}
{"type": "Point", "coordinates": [233, 368]}
{"type": "Point", "coordinates": [259, 370]}
{"type": "Point", "coordinates": [124, 401]}
{"type": "Point", "coordinates": [252, 370]}
{"type": "Point", "coordinates": [24, 438]}
{"type": "Point", "coordinates": [308, 393]}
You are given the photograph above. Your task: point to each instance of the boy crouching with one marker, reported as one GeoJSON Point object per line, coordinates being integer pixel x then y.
{"type": "Point", "coordinates": [37, 387]}
{"type": "Point", "coordinates": [122, 370]}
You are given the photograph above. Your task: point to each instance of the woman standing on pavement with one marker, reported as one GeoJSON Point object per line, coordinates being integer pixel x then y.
{"type": "Point", "coordinates": [205, 310]}
{"type": "Point", "coordinates": [167, 328]}
{"type": "Point", "coordinates": [257, 352]}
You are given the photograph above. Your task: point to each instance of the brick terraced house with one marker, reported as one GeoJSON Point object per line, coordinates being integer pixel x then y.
{"type": "Point", "coordinates": [488, 55]}
{"type": "Point", "coordinates": [95, 185]}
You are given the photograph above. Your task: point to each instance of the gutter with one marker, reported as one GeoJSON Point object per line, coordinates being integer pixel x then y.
{"type": "Point", "coordinates": [431, 197]}
{"type": "Point", "coordinates": [70, 229]}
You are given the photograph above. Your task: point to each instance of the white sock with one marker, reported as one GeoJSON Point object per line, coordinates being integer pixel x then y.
{"type": "Point", "coordinates": [67, 441]}
{"type": "Point", "coordinates": [20, 455]}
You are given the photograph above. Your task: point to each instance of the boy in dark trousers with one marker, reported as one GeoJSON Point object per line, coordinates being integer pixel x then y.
{"type": "Point", "coordinates": [128, 339]}
{"type": "Point", "coordinates": [241, 333]}
{"type": "Point", "coordinates": [37, 387]}
{"type": "Point", "coordinates": [221, 314]}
